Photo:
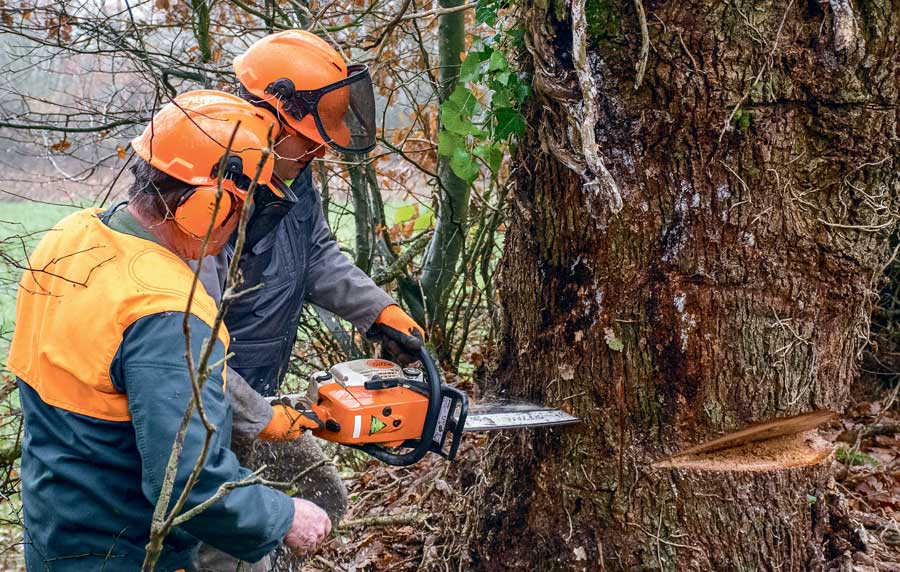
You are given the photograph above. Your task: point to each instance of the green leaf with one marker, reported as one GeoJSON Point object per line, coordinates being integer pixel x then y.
{"type": "Point", "coordinates": [424, 221]}
{"type": "Point", "coordinates": [509, 122]}
{"type": "Point", "coordinates": [500, 98]}
{"type": "Point", "coordinates": [406, 213]}
{"type": "Point", "coordinates": [448, 142]}
{"type": "Point", "coordinates": [518, 36]}
{"type": "Point", "coordinates": [498, 61]}
{"type": "Point", "coordinates": [522, 91]}
{"type": "Point", "coordinates": [470, 70]}
{"type": "Point", "coordinates": [464, 99]}
{"type": "Point", "coordinates": [464, 165]}
{"type": "Point", "coordinates": [486, 11]}
{"type": "Point", "coordinates": [490, 154]}
{"type": "Point", "coordinates": [452, 121]}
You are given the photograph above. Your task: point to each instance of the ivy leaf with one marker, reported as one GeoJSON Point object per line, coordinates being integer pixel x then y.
{"type": "Point", "coordinates": [490, 154]}
{"type": "Point", "coordinates": [448, 143]}
{"type": "Point", "coordinates": [498, 61]}
{"type": "Point", "coordinates": [463, 165]}
{"type": "Point", "coordinates": [522, 91]}
{"type": "Point", "coordinates": [509, 122]}
{"type": "Point", "coordinates": [499, 99]}
{"type": "Point", "coordinates": [464, 99]}
{"type": "Point", "coordinates": [453, 121]}
{"type": "Point", "coordinates": [486, 11]}
{"type": "Point", "coordinates": [518, 36]}
{"type": "Point", "coordinates": [470, 70]}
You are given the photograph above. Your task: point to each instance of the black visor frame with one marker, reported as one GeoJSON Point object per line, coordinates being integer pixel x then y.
{"type": "Point", "coordinates": [298, 103]}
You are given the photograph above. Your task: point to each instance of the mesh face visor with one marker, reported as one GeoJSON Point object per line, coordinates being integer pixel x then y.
{"type": "Point", "coordinates": [344, 111]}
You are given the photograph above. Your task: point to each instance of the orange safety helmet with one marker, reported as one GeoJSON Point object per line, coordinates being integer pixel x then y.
{"type": "Point", "coordinates": [311, 88]}
{"type": "Point", "coordinates": [187, 139]}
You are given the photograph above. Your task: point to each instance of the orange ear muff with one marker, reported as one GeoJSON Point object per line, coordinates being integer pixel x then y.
{"type": "Point", "coordinates": [196, 207]}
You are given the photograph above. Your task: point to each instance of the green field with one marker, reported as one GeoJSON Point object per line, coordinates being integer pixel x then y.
{"type": "Point", "coordinates": [22, 224]}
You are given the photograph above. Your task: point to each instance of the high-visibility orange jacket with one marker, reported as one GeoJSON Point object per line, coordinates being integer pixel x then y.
{"type": "Point", "coordinates": [99, 352]}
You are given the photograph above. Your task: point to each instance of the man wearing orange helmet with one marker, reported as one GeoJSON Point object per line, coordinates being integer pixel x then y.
{"type": "Point", "coordinates": [320, 102]}
{"type": "Point", "coordinates": [98, 352]}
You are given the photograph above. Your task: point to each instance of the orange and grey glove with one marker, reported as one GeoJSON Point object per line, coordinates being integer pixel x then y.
{"type": "Point", "coordinates": [287, 424]}
{"type": "Point", "coordinates": [400, 336]}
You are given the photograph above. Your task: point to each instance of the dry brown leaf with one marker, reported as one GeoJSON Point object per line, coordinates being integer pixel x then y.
{"type": "Point", "coordinates": [60, 146]}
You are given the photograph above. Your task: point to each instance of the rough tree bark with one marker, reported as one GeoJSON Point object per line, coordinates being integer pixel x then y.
{"type": "Point", "coordinates": [756, 171]}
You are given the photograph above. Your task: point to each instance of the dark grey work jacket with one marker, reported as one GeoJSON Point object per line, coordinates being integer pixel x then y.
{"type": "Point", "coordinates": [298, 261]}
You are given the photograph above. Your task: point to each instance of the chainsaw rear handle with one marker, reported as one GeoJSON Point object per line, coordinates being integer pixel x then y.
{"type": "Point", "coordinates": [422, 446]}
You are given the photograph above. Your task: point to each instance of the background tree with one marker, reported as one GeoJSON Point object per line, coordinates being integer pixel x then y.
{"type": "Point", "coordinates": [722, 275]}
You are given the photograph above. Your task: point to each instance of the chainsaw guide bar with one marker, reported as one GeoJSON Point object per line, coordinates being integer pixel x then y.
{"type": "Point", "coordinates": [495, 415]}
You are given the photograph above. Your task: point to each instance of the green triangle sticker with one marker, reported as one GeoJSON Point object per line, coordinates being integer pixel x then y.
{"type": "Point", "coordinates": [376, 425]}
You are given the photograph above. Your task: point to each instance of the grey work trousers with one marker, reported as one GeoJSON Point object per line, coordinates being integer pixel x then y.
{"type": "Point", "coordinates": [283, 462]}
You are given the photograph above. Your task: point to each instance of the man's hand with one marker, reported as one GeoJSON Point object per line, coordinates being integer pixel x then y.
{"type": "Point", "coordinates": [400, 335]}
{"type": "Point", "coordinates": [310, 527]}
{"type": "Point", "coordinates": [287, 424]}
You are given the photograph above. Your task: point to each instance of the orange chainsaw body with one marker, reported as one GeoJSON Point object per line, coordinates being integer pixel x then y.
{"type": "Point", "coordinates": [355, 414]}
{"type": "Point", "coordinates": [386, 416]}
{"type": "Point", "coordinates": [395, 414]}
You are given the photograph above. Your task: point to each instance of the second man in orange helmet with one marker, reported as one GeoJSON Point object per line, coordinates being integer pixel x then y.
{"type": "Point", "coordinates": [321, 104]}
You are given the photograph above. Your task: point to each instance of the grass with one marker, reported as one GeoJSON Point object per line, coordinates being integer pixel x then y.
{"type": "Point", "coordinates": [854, 458]}
{"type": "Point", "coordinates": [22, 224]}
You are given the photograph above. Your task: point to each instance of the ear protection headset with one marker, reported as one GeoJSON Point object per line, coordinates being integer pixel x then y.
{"type": "Point", "coordinates": [196, 208]}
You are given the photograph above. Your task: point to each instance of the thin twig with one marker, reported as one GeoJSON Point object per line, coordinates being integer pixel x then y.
{"type": "Point", "coordinates": [389, 520]}
{"type": "Point", "coordinates": [439, 11]}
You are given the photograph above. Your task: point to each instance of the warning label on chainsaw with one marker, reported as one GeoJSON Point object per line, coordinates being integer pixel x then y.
{"type": "Point", "coordinates": [376, 425]}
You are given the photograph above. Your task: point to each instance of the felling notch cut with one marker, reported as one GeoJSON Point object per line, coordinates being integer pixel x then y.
{"type": "Point", "coordinates": [775, 444]}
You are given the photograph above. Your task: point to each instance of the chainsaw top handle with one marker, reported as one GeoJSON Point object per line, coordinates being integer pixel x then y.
{"type": "Point", "coordinates": [420, 448]}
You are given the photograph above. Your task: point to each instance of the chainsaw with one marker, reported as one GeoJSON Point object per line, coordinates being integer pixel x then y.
{"type": "Point", "coordinates": [400, 414]}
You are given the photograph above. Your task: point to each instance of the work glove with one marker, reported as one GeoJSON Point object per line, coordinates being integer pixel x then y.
{"type": "Point", "coordinates": [287, 424]}
{"type": "Point", "coordinates": [308, 529]}
{"type": "Point", "coordinates": [400, 336]}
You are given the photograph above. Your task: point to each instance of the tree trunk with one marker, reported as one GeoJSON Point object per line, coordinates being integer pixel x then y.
{"type": "Point", "coordinates": [754, 170]}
